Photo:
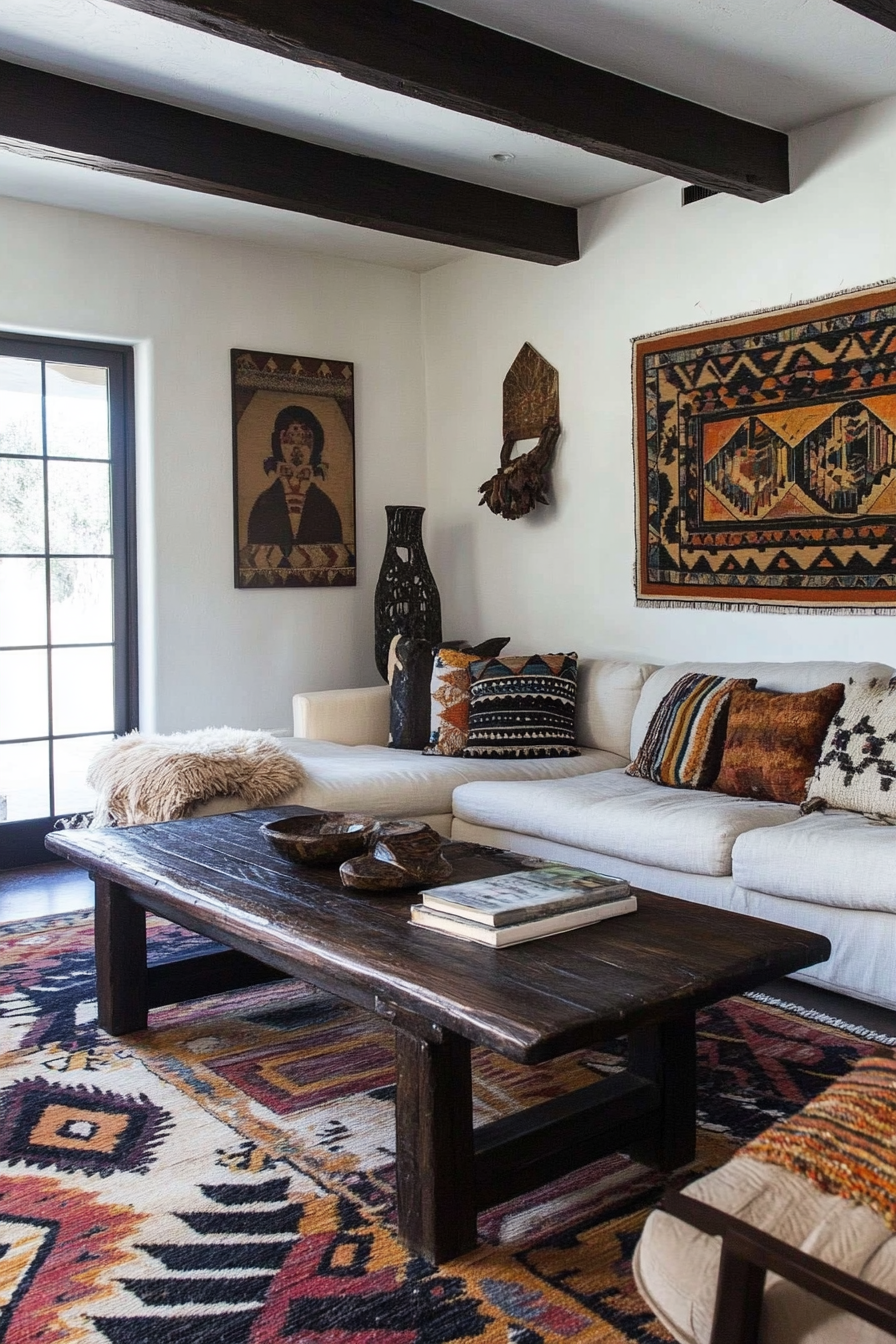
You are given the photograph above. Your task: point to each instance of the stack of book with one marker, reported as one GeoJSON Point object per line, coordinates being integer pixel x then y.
{"type": "Point", "coordinates": [517, 907]}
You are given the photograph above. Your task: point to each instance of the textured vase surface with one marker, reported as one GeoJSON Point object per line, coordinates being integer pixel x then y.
{"type": "Point", "coordinates": [407, 599]}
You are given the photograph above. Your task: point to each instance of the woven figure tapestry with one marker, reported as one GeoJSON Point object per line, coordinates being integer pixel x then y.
{"type": "Point", "coordinates": [294, 470]}
{"type": "Point", "coordinates": [766, 459]}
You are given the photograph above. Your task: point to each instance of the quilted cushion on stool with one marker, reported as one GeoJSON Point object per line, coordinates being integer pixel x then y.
{"type": "Point", "coordinates": [676, 1267]}
{"type": "Point", "coordinates": [823, 1181]}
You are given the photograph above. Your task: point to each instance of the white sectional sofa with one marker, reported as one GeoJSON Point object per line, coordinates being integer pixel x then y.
{"type": "Point", "coordinates": [340, 737]}
{"type": "Point", "coordinates": [833, 873]}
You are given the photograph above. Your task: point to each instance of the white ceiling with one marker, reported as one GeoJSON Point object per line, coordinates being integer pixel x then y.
{"type": "Point", "coordinates": [781, 62]}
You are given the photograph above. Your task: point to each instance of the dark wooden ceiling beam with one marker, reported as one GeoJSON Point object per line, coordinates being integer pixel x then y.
{"type": "Point", "coordinates": [53, 117]}
{"type": "Point", "coordinates": [413, 49]}
{"type": "Point", "coordinates": [881, 11]}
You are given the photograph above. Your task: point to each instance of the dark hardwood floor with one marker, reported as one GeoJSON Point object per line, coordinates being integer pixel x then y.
{"type": "Point", "coordinates": [46, 889]}
{"type": "Point", "coordinates": [58, 888]}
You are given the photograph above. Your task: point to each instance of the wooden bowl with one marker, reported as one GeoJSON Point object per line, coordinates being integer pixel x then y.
{"type": "Point", "coordinates": [369, 873]}
{"type": "Point", "coordinates": [404, 854]}
{"type": "Point", "coordinates": [328, 837]}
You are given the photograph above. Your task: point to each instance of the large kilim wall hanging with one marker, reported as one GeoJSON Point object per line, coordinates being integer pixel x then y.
{"type": "Point", "coordinates": [766, 459]}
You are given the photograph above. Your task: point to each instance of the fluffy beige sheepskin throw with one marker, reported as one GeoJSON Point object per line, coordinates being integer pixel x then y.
{"type": "Point", "coordinates": [145, 777]}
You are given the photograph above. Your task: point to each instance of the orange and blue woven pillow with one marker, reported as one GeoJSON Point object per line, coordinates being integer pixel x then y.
{"type": "Point", "coordinates": [683, 745]}
{"type": "Point", "coordinates": [450, 702]}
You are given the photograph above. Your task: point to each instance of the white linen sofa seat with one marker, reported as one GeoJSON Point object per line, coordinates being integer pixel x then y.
{"type": "Point", "coordinates": [623, 817]}
{"type": "Point", "coordinates": [340, 738]}
{"type": "Point", "coordinates": [832, 873]}
{"type": "Point", "coordinates": [389, 783]}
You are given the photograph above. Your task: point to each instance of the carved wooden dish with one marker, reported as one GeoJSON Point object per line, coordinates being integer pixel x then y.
{"type": "Point", "coordinates": [329, 837]}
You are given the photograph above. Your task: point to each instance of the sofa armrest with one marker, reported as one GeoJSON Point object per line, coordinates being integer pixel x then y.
{"type": "Point", "coordinates": [357, 717]}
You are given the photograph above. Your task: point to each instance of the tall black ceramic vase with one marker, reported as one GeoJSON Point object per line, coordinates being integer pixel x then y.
{"type": "Point", "coordinates": [407, 599]}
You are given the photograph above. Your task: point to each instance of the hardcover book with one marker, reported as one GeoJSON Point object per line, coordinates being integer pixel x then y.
{"type": "Point", "coordinates": [532, 893]}
{"type": "Point", "coordinates": [524, 932]}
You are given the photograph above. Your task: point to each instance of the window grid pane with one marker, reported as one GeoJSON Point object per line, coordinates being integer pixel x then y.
{"type": "Point", "coordinates": [23, 694]}
{"type": "Point", "coordinates": [23, 606]}
{"type": "Point", "coordinates": [58, 656]}
{"type": "Point", "coordinates": [21, 416]}
{"type": "Point", "coordinates": [80, 601]}
{"type": "Point", "coordinates": [77, 411]}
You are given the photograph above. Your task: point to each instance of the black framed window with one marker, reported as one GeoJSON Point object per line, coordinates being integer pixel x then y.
{"type": "Point", "coordinates": [68, 655]}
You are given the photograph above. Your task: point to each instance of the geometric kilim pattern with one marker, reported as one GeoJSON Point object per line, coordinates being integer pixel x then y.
{"type": "Point", "coordinates": [227, 1177]}
{"type": "Point", "coordinates": [78, 1128]}
{"type": "Point", "coordinates": [766, 459]}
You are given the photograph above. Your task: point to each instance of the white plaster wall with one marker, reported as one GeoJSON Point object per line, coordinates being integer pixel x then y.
{"type": "Point", "coordinates": [563, 577]}
{"type": "Point", "coordinates": [211, 654]}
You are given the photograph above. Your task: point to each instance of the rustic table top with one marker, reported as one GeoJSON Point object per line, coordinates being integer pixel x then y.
{"type": "Point", "coordinates": [219, 876]}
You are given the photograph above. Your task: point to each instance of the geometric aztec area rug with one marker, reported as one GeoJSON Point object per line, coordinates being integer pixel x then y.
{"type": "Point", "coordinates": [226, 1177]}
{"type": "Point", "coordinates": [766, 459]}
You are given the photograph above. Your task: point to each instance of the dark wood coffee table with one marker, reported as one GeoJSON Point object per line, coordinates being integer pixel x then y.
{"type": "Point", "coordinates": [642, 976]}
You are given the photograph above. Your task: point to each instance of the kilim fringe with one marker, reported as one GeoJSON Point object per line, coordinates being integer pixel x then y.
{"type": "Point", "coordinates": [813, 1015]}
{"type": "Point", "coordinates": [771, 609]}
{"type": "Point", "coordinates": [783, 306]}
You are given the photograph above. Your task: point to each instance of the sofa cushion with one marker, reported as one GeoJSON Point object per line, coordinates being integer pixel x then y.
{"type": "Point", "coordinates": [411, 662]}
{"type": "Point", "coordinates": [773, 740]}
{"type": "Point", "coordinates": [676, 1267]}
{"type": "Point", "coordinates": [392, 783]}
{"type": "Point", "coordinates": [450, 702]}
{"type": "Point", "coordinates": [683, 745]}
{"type": "Point", "coordinates": [769, 677]}
{"type": "Point", "coordinates": [614, 813]}
{"type": "Point", "coordinates": [830, 858]}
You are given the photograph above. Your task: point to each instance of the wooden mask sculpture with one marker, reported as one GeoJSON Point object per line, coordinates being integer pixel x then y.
{"type": "Point", "coordinates": [531, 410]}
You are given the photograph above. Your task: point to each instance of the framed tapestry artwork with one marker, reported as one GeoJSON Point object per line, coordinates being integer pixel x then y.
{"type": "Point", "coordinates": [766, 459]}
{"type": "Point", "coordinates": [293, 470]}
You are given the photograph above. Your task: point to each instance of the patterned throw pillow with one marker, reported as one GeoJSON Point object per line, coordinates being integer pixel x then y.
{"type": "Point", "coordinates": [684, 740]}
{"type": "Point", "coordinates": [411, 663]}
{"type": "Point", "coordinates": [523, 707]}
{"type": "Point", "coordinates": [450, 703]}
{"type": "Point", "coordinates": [856, 769]}
{"type": "Point", "coordinates": [773, 742]}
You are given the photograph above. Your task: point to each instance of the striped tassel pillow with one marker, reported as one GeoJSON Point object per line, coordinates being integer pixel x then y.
{"type": "Point", "coordinates": [685, 739]}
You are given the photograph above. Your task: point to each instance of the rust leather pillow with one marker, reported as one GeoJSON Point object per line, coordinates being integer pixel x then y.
{"type": "Point", "coordinates": [773, 742]}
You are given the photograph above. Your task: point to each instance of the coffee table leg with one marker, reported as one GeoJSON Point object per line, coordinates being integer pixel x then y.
{"type": "Point", "coordinates": [120, 942]}
{"type": "Point", "coordinates": [434, 1145]}
{"type": "Point", "coordinates": [667, 1055]}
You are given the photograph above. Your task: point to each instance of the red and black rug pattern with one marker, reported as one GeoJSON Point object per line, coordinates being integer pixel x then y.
{"type": "Point", "coordinates": [226, 1177]}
